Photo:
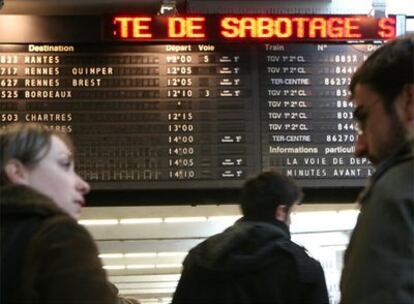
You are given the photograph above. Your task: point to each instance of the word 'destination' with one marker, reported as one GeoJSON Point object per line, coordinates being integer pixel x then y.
{"type": "Point", "coordinates": [250, 27]}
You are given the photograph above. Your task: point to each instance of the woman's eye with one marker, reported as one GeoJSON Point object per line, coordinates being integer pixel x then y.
{"type": "Point", "coordinates": [66, 164]}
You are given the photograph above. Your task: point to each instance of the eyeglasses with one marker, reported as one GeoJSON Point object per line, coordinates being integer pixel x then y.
{"type": "Point", "coordinates": [361, 115]}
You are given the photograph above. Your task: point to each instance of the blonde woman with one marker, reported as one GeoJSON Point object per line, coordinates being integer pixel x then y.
{"type": "Point", "coordinates": [46, 256]}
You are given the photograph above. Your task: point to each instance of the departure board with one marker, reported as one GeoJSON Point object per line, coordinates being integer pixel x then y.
{"type": "Point", "coordinates": [307, 128]}
{"type": "Point", "coordinates": [196, 115]}
{"type": "Point", "coordinates": [140, 114]}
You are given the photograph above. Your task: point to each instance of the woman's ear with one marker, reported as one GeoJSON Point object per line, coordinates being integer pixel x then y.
{"type": "Point", "coordinates": [16, 172]}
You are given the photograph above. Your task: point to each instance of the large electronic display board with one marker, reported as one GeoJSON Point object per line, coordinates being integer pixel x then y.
{"type": "Point", "coordinates": [192, 112]}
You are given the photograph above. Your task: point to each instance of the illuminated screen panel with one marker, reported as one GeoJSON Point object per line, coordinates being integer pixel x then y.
{"type": "Point", "coordinates": [171, 116]}
{"type": "Point", "coordinates": [142, 116]}
{"type": "Point", "coordinates": [187, 115]}
{"type": "Point", "coordinates": [306, 116]}
{"type": "Point", "coordinates": [251, 27]}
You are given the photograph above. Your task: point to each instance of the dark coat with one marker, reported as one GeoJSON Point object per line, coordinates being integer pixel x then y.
{"type": "Point", "coordinates": [251, 262]}
{"type": "Point", "coordinates": [379, 261]}
{"type": "Point", "coordinates": [46, 256]}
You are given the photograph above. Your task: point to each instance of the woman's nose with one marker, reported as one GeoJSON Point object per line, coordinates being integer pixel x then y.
{"type": "Point", "coordinates": [83, 185]}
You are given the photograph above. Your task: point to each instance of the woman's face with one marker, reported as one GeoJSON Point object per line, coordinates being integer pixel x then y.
{"type": "Point", "coordinates": [55, 177]}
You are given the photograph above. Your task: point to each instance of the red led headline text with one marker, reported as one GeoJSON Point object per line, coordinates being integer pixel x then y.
{"type": "Point", "coordinates": [268, 28]}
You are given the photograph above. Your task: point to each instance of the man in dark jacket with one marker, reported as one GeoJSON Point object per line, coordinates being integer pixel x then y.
{"type": "Point", "coordinates": [254, 261]}
{"type": "Point", "coordinates": [379, 261]}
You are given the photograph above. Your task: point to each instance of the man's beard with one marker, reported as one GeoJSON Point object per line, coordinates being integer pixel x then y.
{"type": "Point", "coordinates": [399, 137]}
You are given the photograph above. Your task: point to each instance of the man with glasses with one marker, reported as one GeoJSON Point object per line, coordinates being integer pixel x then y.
{"type": "Point", "coordinates": [254, 260]}
{"type": "Point", "coordinates": [379, 261]}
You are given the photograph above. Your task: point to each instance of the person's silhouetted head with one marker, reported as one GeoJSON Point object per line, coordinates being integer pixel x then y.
{"type": "Point", "coordinates": [268, 194]}
{"type": "Point", "coordinates": [383, 93]}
